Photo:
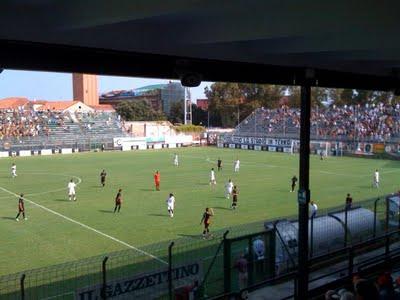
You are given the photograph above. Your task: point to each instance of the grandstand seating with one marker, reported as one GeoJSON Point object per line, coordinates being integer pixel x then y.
{"type": "Point", "coordinates": [361, 123]}
{"type": "Point", "coordinates": [37, 129]}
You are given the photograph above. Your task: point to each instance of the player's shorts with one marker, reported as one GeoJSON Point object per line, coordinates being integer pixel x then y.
{"type": "Point", "coordinates": [71, 193]}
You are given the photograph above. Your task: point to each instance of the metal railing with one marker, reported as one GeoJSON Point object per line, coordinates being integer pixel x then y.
{"type": "Point", "coordinates": [105, 271]}
{"type": "Point", "coordinates": [348, 254]}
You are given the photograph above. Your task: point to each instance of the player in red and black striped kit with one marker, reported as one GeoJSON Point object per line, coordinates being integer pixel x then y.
{"type": "Point", "coordinates": [206, 219]}
{"type": "Point", "coordinates": [21, 208]}
{"type": "Point", "coordinates": [103, 175]}
{"type": "Point", "coordinates": [118, 201]}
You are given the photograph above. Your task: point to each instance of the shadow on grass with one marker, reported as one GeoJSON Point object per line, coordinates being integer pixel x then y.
{"type": "Point", "coordinates": [192, 236]}
{"type": "Point", "coordinates": [220, 207]}
{"type": "Point", "coordinates": [8, 218]}
{"type": "Point", "coordinates": [63, 200]}
{"type": "Point", "coordinates": [147, 190]}
{"type": "Point", "coordinates": [106, 211]}
{"type": "Point", "coordinates": [159, 215]}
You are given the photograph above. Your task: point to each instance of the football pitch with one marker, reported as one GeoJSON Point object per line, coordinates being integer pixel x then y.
{"type": "Point", "coordinates": [59, 230]}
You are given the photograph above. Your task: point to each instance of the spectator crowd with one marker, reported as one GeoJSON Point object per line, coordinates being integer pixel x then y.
{"type": "Point", "coordinates": [362, 122]}
{"type": "Point", "coordinates": [16, 124]}
{"type": "Point", "coordinates": [384, 287]}
{"type": "Point", "coordinates": [19, 123]}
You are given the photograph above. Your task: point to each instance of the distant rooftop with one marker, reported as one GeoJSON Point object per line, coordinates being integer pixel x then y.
{"type": "Point", "coordinates": [151, 87]}
{"type": "Point", "coordinates": [138, 91]}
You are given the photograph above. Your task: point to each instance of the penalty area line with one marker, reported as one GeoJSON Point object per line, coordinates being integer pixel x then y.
{"type": "Point", "coordinates": [87, 227]}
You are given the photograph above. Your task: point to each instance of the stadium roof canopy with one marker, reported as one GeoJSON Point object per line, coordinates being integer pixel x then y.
{"type": "Point", "coordinates": [150, 87]}
{"type": "Point", "coordinates": [348, 43]}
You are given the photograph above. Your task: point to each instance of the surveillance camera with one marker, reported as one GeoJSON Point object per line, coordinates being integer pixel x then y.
{"type": "Point", "coordinates": [190, 79]}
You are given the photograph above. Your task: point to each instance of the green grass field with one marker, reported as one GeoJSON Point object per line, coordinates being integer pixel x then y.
{"type": "Point", "coordinates": [59, 230]}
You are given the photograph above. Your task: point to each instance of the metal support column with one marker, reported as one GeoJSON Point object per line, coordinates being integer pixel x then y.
{"type": "Point", "coordinates": [104, 274]}
{"type": "Point", "coordinates": [311, 252]}
{"type": "Point", "coordinates": [22, 280]}
{"type": "Point", "coordinates": [346, 232]}
{"type": "Point", "coordinates": [304, 193]}
{"type": "Point", "coordinates": [170, 287]}
{"type": "Point", "coordinates": [387, 240]}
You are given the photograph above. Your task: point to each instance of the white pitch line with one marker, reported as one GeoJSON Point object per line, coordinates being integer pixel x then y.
{"type": "Point", "coordinates": [291, 168]}
{"type": "Point", "coordinates": [51, 191]}
{"type": "Point", "coordinates": [86, 226]}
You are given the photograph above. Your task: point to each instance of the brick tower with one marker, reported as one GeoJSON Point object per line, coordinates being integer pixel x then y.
{"type": "Point", "coordinates": [85, 88]}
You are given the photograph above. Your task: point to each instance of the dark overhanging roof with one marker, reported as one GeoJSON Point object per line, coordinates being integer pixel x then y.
{"type": "Point", "coordinates": [351, 44]}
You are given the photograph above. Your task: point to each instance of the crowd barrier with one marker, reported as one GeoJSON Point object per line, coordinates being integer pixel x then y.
{"type": "Point", "coordinates": [183, 268]}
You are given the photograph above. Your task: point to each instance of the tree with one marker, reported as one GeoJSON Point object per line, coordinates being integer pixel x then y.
{"type": "Point", "coordinates": [176, 113]}
{"type": "Point", "coordinates": [340, 97]}
{"type": "Point", "coordinates": [199, 116]}
{"type": "Point", "coordinates": [224, 99]}
{"type": "Point", "coordinates": [138, 111]}
{"type": "Point", "coordinates": [319, 96]}
{"type": "Point", "coordinates": [232, 102]}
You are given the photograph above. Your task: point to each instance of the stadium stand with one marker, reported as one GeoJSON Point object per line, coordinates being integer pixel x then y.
{"type": "Point", "coordinates": [364, 123]}
{"type": "Point", "coordinates": [27, 128]}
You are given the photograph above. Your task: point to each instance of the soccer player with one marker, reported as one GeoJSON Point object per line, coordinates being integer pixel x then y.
{"type": "Point", "coordinates": [376, 179]}
{"type": "Point", "coordinates": [235, 193]}
{"type": "Point", "coordinates": [71, 190]}
{"type": "Point", "coordinates": [219, 164]}
{"type": "Point", "coordinates": [14, 170]}
{"type": "Point", "coordinates": [171, 205]}
{"type": "Point", "coordinates": [321, 155]}
{"type": "Point", "coordinates": [21, 208]}
{"type": "Point", "coordinates": [228, 189]}
{"type": "Point", "coordinates": [103, 175]}
{"type": "Point", "coordinates": [176, 160]}
{"type": "Point", "coordinates": [294, 181]}
{"type": "Point", "coordinates": [157, 180]}
{"type": "Point", "coordinates": [206, 220]}
{"type": "Point", "coordinates": [213, 181]}
{"type": "Point", "coordinates": [314, 209]}
{"type": "Point", "coordinates": [237, 165]}
{"type": "Point", "coordinates": [349, 201]}
{"type": "Point", "coordinates": [118, 201]}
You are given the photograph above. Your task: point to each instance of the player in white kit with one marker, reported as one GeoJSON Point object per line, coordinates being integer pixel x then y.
{"type": "Point", "coordinates": [176, 160]}
{"type": "Point", "coordinates": [228, 189]}
{"type": "Point", "coordinates": [13, 170]}
{"type": "Point", "coordinates": [237, 165]}
{"type": "Point", "coordinates": [213, 181]}
{"type": "Point", "coordinates": [376, 179]}
{"type": "Point", "coordinates": [171, 205]}
{"type": "Point", "coordinates": [71, 190]}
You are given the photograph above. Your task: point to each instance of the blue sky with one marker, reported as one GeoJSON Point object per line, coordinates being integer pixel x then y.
{"type": "Point", "coordinates": [58, 86]}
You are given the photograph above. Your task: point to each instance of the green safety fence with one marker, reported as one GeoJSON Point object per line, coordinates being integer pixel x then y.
{"type": "Point", "coordinates": [186, 265]}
